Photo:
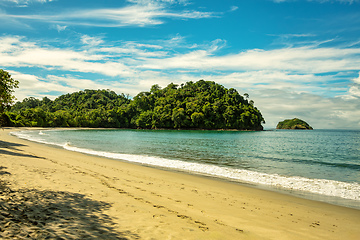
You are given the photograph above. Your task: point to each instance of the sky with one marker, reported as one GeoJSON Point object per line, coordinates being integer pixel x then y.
{"type": "Point", "coordinates": [295, 58]}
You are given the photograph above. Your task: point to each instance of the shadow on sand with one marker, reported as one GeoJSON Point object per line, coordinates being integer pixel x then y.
{"type": "Point", "coordinates": [4, 144]}
{"type": "Point", "coordinates": [2, 172]}
{"type": "Point", "coordinates": [8, 148]}
{"type": "Point", "coordinates": [34, 214]}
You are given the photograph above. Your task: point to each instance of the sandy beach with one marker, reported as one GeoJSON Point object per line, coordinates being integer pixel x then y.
{"type": "Point", "coordinates": [48, 192]}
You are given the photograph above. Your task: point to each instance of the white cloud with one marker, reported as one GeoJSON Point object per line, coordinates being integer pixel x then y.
{"type": "Point", "coordinates": [357, 80]}
{"type": "Point", "coordinates": [60, 28]}
{"type": "Point", "coordinates": [33, 86]}
{"type": "Point", "coordinates": [133, 15]}
{"type": "Point", "coordinates": [52, 86]}
{"type": "Point", "coordinates": [15, 52]}
{"type": "Point", "coordinates": [24, 3]}
{"type": "Point", "coordinates": [234, 8]}
{"type": "Point", "coordinates": [354, 90]}
{"type": "Point", "coordinates": [290, 82]}
{"type": "Point", "coordinates": [271, 80]}
{"type": "Point", "coordinates": [91, 41]}
{"type": "Point", "coordinates": [139, 15]}
{"type": "Point", "coordinates": [300, 59]}
{"type": "Point", "coordinates": [319, 112]}
{"type": "Point", "coordinates": [11, 23]}
{"type": "Point", "coordinates": [78, 84]}
{"type": "Point", "coordinates": [132, 51]}
{"type": "Point", "coordinates": [130, 57]}
{"type": "Point", "coordinates": [145, 2]}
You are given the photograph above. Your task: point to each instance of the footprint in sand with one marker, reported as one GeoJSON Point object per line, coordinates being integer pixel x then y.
{"type": "Point", "coordinates": [158, 206]}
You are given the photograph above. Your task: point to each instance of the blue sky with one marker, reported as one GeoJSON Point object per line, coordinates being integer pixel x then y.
{"type": "Point", "coordinates": [295, 58]}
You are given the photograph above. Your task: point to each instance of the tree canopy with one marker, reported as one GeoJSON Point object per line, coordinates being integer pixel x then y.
{"type": "Point", "coordinates": [294, 123]}
{"type": "Point", "coordinates": [199, 105]}
{"type": "Point", "coordinates": [7, 85]}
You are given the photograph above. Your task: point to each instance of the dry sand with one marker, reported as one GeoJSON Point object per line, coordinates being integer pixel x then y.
{"type": "Point", "coordinates": [52, 193]}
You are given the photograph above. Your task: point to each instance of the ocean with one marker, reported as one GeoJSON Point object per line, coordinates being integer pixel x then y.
{"type": "Point", "coordinates": [322, 165]}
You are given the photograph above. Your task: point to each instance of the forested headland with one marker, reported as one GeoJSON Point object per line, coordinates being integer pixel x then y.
{"type": "Point", "coordinates": [294, 123]}
{"type": "Point", "coordinates": [193, 105]}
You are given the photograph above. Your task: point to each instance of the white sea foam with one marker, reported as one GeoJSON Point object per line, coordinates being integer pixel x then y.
{"type": "Point", "coordinates": [319, 186]}
{"type": "Point", "coordinates": [28, 136]}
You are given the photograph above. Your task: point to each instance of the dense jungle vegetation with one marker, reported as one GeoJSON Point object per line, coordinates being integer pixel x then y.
{"type": "Point", "coordinates": [294, 124]}
{"type": "Point", "coordinates": [199, 105]}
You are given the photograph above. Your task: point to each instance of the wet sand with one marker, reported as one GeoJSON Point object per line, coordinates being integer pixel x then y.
{"type": "Point", "coordinates": [48, 192]}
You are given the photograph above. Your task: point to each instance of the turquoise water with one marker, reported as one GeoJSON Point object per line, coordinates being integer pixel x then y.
{"type": "Point", "coordinates": [319, 162]}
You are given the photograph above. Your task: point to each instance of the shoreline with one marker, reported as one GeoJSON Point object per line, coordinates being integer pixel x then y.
{"type": "Point", "coordinates": [311, 195]}
{"type": "Point", "coordinates": [147, 202]}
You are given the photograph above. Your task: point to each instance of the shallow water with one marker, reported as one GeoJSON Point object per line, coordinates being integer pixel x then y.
{"type": "Point", "coordinates": [325, 163]}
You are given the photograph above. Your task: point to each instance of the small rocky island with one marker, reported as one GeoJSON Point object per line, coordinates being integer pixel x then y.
{"type": "Point", "coordinates": [294, 124]}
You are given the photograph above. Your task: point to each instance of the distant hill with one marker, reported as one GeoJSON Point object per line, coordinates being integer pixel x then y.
{"type": "Point", "coordinates": [294, 124]}
{"type": "Point", "coordinates": [199, 105]}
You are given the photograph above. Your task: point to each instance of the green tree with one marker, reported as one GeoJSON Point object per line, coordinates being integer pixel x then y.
{"type": "Point", "coordinates": [7, 85]}
{"type": "Point", "coordinates": [201, 104]}
{"type": "Point", "coordinates": [178, 117]}
{"type": "Point", "coordinates": [145, 119]}
{"type": "Point", "coordinates": [197, 119]}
